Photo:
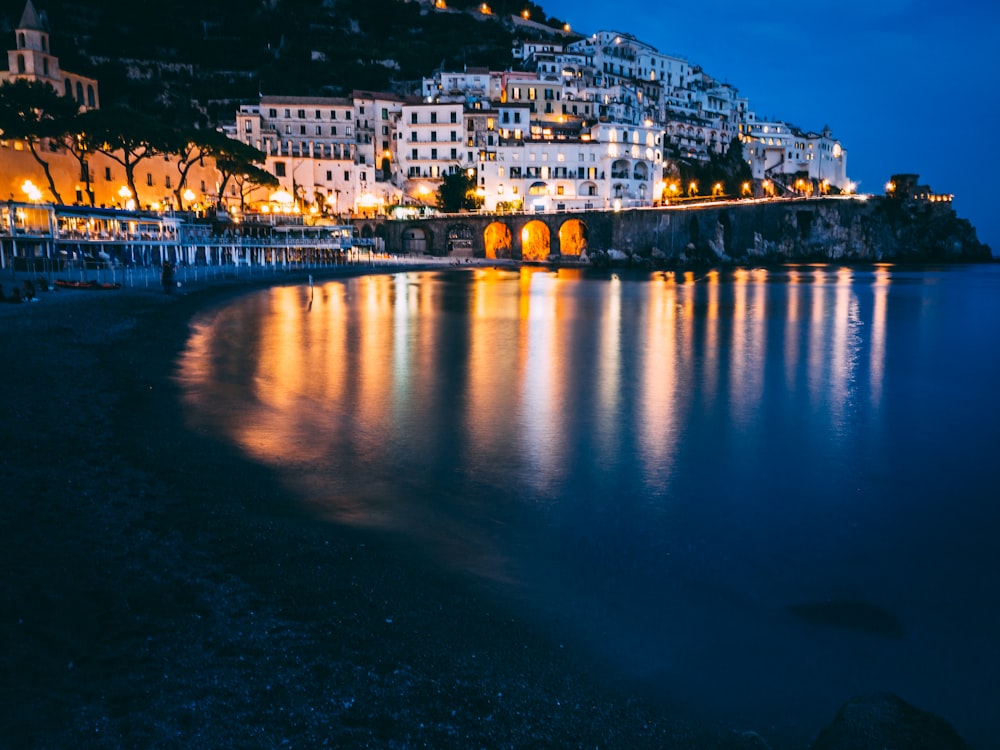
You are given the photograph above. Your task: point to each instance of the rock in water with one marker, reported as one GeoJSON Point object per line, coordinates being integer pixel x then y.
{"type": "Point", "coordinates": [883, 721]}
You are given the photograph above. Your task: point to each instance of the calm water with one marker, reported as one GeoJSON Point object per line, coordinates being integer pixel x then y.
{"type": "Point", "coordinates": [662, 467]}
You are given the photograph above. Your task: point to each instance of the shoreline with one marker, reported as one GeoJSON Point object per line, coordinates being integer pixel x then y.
{"type": "Point", "coordinates": [161, 590]}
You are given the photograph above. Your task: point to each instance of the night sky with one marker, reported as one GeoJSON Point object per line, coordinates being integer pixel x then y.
{"type": "Point", "coordinates": [906, 85]}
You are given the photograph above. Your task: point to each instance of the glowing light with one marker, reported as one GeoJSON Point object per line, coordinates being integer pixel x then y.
{"type": "Point", "coordinates": [281, 197]}
{"type": "Point", "coordinates": [31, 190]}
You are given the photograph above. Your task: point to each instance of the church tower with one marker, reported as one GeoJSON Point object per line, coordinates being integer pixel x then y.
{"type": "Point", "coordinates": [32, 59]}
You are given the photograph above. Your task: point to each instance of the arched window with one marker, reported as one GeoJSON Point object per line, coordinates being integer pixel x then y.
{"type": "Point", "coordinates": [91, 99]}
{"type": "Point", "coordinates": [45, 66]}
{"type": "Point", "coordinates": [20, 40]}
{"type": "Point", "coordinates": [20, 63]}
{"type": "Point", "coordinates": [45, 43]}
{"type": "Point", "coordinates": [69, 87]}
{"type": "Point", "coordinates": [79, 92]}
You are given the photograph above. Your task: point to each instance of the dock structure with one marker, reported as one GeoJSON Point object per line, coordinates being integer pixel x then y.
{"type": "Point", "coordinates": [80, 242]}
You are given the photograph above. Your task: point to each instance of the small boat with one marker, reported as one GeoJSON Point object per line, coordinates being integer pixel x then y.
{"type": "Point", "coordinates": [64, 284]}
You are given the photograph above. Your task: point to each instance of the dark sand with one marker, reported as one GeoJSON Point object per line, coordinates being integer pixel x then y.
{"type": "Point", "coordinates": [159, 590]}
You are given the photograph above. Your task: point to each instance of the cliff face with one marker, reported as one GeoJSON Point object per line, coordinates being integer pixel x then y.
{"type": "Point", "coordinates": [827, 229]}
{"type": "Point", "coordinates": [848, 230]}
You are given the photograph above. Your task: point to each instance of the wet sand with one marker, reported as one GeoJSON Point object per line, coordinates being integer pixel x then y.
{"type": "Point", "coordinates": [159, 590]}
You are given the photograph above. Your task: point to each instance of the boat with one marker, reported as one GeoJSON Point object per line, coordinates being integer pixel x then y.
{"type": "Point", "coordinates": [64, 284]}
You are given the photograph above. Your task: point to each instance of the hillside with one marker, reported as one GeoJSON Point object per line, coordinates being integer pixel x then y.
{"type": "Point", "coordinates": [211, 50]}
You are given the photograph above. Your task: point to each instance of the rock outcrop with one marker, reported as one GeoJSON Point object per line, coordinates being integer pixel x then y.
{"type": "Point", "coordinates": [883, 721]}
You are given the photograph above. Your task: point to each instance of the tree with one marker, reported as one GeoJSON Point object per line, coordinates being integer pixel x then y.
{"type": "Point", "coordinates": [128, 138]}
{"type": "Point", "coordinates": [32, 112]}
{"type": "Point", "coordinates": [79, 142]}
{"type": "Point", "coordinates": [237, 160]}
{"type": "Point", "coordinates": [457, 191]}
{"type": "Point", "coordinates": [251, 178]}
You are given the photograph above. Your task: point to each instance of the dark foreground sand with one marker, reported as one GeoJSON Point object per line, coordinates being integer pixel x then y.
{"type": "Point", "coordinates": [159, 591]}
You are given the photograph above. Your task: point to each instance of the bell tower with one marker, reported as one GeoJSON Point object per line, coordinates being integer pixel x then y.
{"type": "Point", "coordinates": [32, 59]}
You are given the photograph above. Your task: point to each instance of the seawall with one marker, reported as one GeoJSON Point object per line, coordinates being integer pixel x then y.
{"type": "Point", "coordinates": [849, 229]}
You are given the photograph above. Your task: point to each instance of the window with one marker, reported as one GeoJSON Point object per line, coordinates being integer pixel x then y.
{"type": "Point", "coordinates": [319, 115]}
{"type": "Point", "coordinates": [166, 182]}
{"type": "Point", "coordinates": [454, 153]}
{"type": "Point", "coordinates": [248, 126]}
{"type": "Point", "coordinates": [385, 113]}
{"type": "Point", "coordinates": [319, 130]}
{"type": "Point", "coordinates": [288, 113]}
{"type": "Point", "coordinates": [454, 117]}
{"type": "Point", "coordinates": [413, 154]}
{"type": "Point", "coordinates": [434, 153]}
{"type": "Point", "coordinates": [454, 135]}
{"type": "Point", "coordinates": [347, 131]}
{"type": "Point", "coordinates": [333, 130]}
{"type": "Point", "coordinates": [279, 169]}
{"type": "Point", "coordinates": [329, 175]}
{"type": "Point", "coordinates": [434, 117]}
{"type": "Point", "coordinates": [333, 114]}
{"type": "Point", "coordinates": [413, 118]}
{"type": "Point", "coordinates": [20, 64]}
{"type": "Point", "coordinates": [302, 129]}
{"type": "Point", "coordinates": [302, 114]}
{"type": "Point", "coordinates": [347, 176]}
{"type": "Point", "coordinates": [272, 113]}
{"type": "Point", "coordinates": [45, 66]}
{"type": "Point", "coordinates": [149, 179]}
{"type": "Point", "coordinates": [107, 174]}
{"type": "Point", "coordinates": [288, 129]}
{"type": "Point", "coordinates": [364, 177]}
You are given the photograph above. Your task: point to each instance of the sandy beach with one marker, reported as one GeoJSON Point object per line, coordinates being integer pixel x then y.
{"type": "Point", "coordinates": [159, 590]}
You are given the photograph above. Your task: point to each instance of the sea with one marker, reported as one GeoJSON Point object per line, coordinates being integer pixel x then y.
{"type": "Point", "coordinates": [749, 494]}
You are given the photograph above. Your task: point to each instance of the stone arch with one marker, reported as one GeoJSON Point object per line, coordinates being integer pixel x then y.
{"type": "Point", "coordinates": [535, 241]}
{"type": "Point", "coordinates": [620, 169]}
{"type": "Point", "coordinates": [79, 92]}
{"type": "Point", "coordinates": [497, 240]}
{"type": "Point", "coordinates": [640, 171]}
{"type": "Point", "coordinates": [416, 240]}
{"type": "Point", "coordinates": [68, 86]}
{"type": "Point", "coordinates": [460, 240]}
{"type": "Point", "coordinates": [366, 232]}
{"type": "Point", "coordinates": [572, 237]}
{"type": "Point", "coordinates": [538, 188]}
{"type": "Point", "coordinates": [91, 97]}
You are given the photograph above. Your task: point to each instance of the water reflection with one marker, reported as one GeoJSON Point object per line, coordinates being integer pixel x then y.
{"type": "Point", "coordinates": [663, 463]}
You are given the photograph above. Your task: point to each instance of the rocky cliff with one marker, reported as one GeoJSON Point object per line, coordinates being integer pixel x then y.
{"type": "Point", "coordinates": [839, 229]}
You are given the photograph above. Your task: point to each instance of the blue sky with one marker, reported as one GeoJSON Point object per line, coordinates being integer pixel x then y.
{"type": "Point", "coordinates": [906, 85]}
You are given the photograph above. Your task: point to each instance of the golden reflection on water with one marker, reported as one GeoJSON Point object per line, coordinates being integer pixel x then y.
{"type": "Point", "coordinates": [506, 367]}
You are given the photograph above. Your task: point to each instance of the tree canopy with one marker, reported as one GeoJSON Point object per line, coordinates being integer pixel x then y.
{"type": "Point", "coordinates": [32, 112]}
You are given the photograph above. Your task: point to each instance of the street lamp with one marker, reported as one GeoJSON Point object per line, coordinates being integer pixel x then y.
{"type": "Point", "coordinates": [126, 196]}
{"type": "Point", "coordinates": [31, 190]}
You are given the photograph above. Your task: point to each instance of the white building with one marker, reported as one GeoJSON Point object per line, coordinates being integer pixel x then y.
{"type": "Point", "coordinates": [783, 154]}
{"type": "Point", "coordinates": [603, 166]}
